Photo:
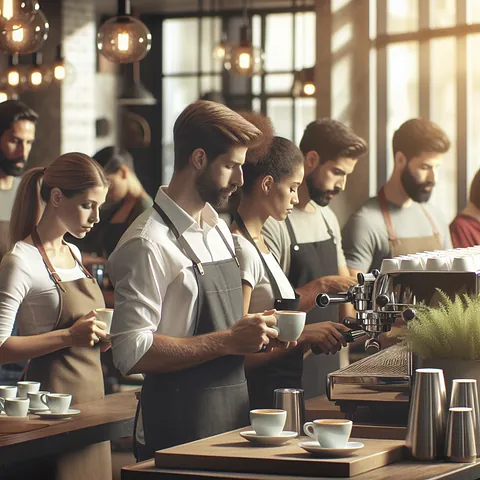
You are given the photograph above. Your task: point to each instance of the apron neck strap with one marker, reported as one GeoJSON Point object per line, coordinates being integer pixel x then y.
{"type": "Point", "coordinates": [430, 220]}
{"type": "Point", "coordinates": [241, 225]}
{"type": "Point", "coordinates": [382, 200]}
{"type": "Point", "coordinates": [291, 233]}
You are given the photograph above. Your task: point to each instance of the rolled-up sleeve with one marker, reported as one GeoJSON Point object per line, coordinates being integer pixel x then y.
{"type": "Point", "coordinates": [139, 276]}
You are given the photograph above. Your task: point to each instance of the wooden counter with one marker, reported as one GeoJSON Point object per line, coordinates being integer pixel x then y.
{"type": "Point", "coordinates": [107, 419]}
{"type": "Point", "coordinates": [405, 470]}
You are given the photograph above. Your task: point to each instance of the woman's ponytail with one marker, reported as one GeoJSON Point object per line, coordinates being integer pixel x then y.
{"type": "Point", "coordinates": [26, 208]}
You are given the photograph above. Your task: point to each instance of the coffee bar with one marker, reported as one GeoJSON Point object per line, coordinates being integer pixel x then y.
{"type": "Point", "coordinates": [239, 239]}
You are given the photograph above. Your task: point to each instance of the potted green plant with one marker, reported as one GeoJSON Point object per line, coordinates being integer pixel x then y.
{"type": "Point", "coordinates": [448, 337]}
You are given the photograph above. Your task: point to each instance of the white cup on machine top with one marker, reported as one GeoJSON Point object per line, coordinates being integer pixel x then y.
{"type": "Point", "coordinates": [8, 391]}
{"type": "Point", "coordinates": [57, 402]}
{"type": "Point", "coordinates": [105, 315]}
{"type": "Point", "coordinates": [437, 263]}
{"type": "Point", "coordinates": [463, 263]}
{"type": "Point", "coordinates": [25, 387]}
{"type": "Point", "coordinates": [329, 433]}
{"type": "Point", "coordinates": [15, 407]}
{"type": "Point", "coordinates": [290, 325]}
{"type": "Point", "coordinates": [36, 399]}
{"type": "Point", "coordinates": [268, 422]}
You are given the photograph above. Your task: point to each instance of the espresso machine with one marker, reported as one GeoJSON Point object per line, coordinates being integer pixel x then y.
{"type": "Point", "coordinates": [379, 385]}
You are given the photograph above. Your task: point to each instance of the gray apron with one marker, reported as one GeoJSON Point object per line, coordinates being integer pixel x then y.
{"type": "Point", "coordinates": [281, 372]}
{"type": "Point", "coordinates": [212, 397]}
{"type": "Point", "coordinates": [310, 261]}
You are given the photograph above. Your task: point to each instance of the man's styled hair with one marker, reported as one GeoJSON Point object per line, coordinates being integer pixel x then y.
{"type": "Point", "coordinates": [475, 190]}
{"type": "Point", "coordinates": [13, 111]}
{"type": "Point", "coordinates": [417, 136]}
{"type": "Point", "coordinates": [212, 127]}
{"type": "Point", "coordinates": [112, 158]}
{"type": "Point", "coordinates": [332, 139]}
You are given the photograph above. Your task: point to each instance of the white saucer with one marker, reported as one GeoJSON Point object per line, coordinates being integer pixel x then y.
{"type": "Point", "coordinates": [38, 409]}
{"type": "Point", "coordinates": [316, 449]}
{"type": "Point", "coordinates": [284, 437]}
{"type": "Point", "coordinates": [48, 414]}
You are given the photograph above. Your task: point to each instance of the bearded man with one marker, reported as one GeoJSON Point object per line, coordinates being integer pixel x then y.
{"type": "Point", "coordinates": [400, 221]}
{"type": "Point", "coordinates": [308, 244]}
{"type": "Point", "coordinates": [17, 134]}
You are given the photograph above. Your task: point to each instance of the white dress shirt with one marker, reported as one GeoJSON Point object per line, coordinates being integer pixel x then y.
{"type": "Point", "coordinates": [155, 286]}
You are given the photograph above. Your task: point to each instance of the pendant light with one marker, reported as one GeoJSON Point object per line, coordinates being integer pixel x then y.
{"type": "Point", "coordinates": [133, 92]}
{"type": "Point", "coordinates": [124, 39]}
{"type": "Point", "coordinates": [304, 83]}
{"type": "Point", "coordinates": [27, 39]}
{"type": "Point", "coordinates": [61, 70]}
{"type": "Point", "coordinates": [244, 59]}
{"type": "Point", "coordinates": [15, 14]}
{"type": "Point", "coordinates": [13, 77]}
{"type": "Point", "coordinates": [220, 49]}
{"type": "Point", "coordinates": [38, 77]}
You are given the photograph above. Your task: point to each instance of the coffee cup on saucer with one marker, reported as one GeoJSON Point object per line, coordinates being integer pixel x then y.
{"type": "Point", "coordinates": [24, 387]}
{"type": "Point", "coordinates": [57, 402]}
{"type": "Point", "coordinates": [36, 400]}
{"type": "Point", "coordinates": [268, 422]}
{"type": "Point", "coordinates": [8, 391]}
{"type": "Point", "coordinates": [15, 407]}
{"type": "Point", "coordinates": [290, 324]}
{"type": "Point", "coordinates": [329, 433]}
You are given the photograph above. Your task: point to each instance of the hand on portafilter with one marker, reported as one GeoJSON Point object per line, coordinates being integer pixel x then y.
{"type": "Point", "coordinates": [327, 336]}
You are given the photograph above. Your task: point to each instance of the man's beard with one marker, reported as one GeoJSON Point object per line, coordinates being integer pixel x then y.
{"type": "Point", "coordinates": [211, 193]}
{"type": "Point", "coordinates": [415, 190]}
{"type": "Point", "coordinates": [321, 197]}
{"type": "Point", "coordinates": [12, 168]}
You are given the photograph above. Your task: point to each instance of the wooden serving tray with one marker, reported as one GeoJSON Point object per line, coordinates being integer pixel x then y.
{"type": "Point", "coordinates": [229, 452]}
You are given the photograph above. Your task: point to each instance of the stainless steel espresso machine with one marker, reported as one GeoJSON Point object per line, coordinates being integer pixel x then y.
{"type": "Point", "coordinates": [381, 382]}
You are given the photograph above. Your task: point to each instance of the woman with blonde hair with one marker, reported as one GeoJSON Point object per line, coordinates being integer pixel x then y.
{"type": "Point", "coordinates": [47, 291]}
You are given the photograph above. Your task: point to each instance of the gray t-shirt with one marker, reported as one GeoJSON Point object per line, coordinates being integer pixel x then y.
{"type": "Point", "coordinates": [308, 227]}
{"type": "Point", "coordinates": [365, 237]}
{"type": "Point", "coordinates": [7, 197]}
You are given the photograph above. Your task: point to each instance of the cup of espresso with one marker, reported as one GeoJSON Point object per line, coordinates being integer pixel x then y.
{"type": "Point", "coordinates": [36, 399]}
{"type": "Point", "coordinates": [57, 402]}
{"type": "Point", "coordinates": [23, 388]}
{"type": "Point", "coordinates": [268, 422]}
{"type": "Point", "coordinates": [15, 407]}
{"type": "Point", "coordinates": [8, 391]}
{"type": "Point", "coordinates": [105, 315]}
{"type": "Point", "coordinates": [290, 324]}
{"type": "Point", "coordinates": [329, 433]}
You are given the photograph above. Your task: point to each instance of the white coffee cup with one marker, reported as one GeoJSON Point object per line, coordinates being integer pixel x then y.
{"type": "Point", "coordinates": [15, 407]}
{"type": "Point", "coordinates": [268, 422]}
{"type": "Point", "coordinates": [329, 433]}
{"type": "Point", "coordinates": [438, 263]}
{"type": "Point", "coordinates": [57, 402]}
{"type": "Point", "coordinates": [36, 399]}
{"type": "Point", "coordinates": [25, 387]}
{"type": "Point", "coordinates": [409, 263]}
{"type": "Point", "coordinates": [390, 265]}
{"type": "Point", "coordinates": [290, 324]}
{"type": "Point", "coordinates": [105, 315]}
{"type": "Point", "coordinates": [464, 263]}
{"type": "Point", "coordinates": [8, 391]}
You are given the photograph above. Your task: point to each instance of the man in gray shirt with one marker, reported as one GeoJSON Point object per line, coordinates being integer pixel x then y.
{"type": "Point", "coordinates": [399, 221]}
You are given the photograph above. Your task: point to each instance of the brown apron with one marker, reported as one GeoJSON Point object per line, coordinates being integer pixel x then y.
{"type": "Point", "coordinates": [75, 370]}
{"type": "Point", "coordinates": [408, 245]}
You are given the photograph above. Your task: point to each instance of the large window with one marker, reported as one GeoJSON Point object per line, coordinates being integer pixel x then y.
{"type": "Point", "coordinates": [425, 54]}
{"type": "Point", "coordinates": [288, 39]}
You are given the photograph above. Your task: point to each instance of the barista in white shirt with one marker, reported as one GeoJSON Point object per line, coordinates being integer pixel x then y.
{"type": "Point", "coordinates": [178, 295]}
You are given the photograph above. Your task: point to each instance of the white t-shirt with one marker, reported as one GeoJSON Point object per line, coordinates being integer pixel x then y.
{"type": "Point", "coordinates": [28, 295]}
{"type": "Point", "coordinates": [254, 273]}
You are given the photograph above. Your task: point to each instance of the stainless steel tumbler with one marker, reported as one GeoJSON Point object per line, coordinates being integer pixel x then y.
{"type": "Point", "coordinates": [427, 416]}
{"type": "Point", "coordinates": [460, 438]}
{"type": "Point", "coordinates": [465, 394]}
{"type": "Point", "coordinates": [291, 400]}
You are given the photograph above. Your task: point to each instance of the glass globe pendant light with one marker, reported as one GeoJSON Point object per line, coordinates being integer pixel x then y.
{"type": "Point", "coordinates": [27, 39]}
{"type": "Point", "coordinates": [243, 58]}
{"type": "Point", "coordinates": [38, 76]}
{"type": "Point", "coordinates": [15, 14]}
{"type": "Point", "coordinates": [124, 39]}
{"type": "Point", "coordinates": [304, 84]}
